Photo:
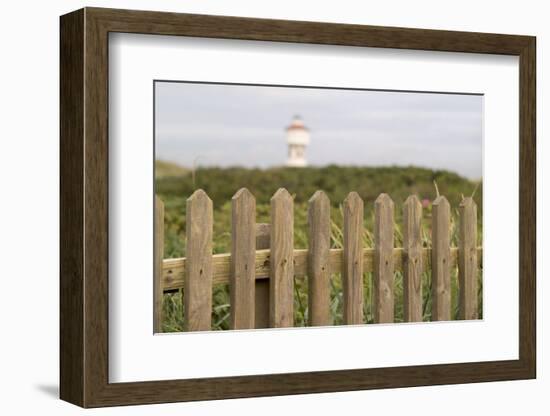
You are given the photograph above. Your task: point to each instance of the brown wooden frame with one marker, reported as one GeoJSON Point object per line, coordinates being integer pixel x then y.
{"type": "Point", "coordinates": [84, 209]}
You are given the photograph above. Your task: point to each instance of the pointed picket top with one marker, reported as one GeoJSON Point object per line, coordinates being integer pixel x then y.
{"type": "Point", "coordinates": [319, 197]}
{"type": "Point", "coordinates": [200, 195]}
{"type": "Point", "coordinates": [441, 201]}
{"type": "Point", "coordinates": [353, 202]}
{"type": "Point", "coordinates": [282, 203]}
{"type": "Point", "coordinates": [468, 202]}
{"type": "Point", "coordinates": [384, 221]}
{"type": "Point", "coordinates": [413, 201]}
{"type": "Point", "coordinates": [159, 202]}
{"type": "Point", "coordinates": [412, 219]}
{"type": "Point", "coordinates": [352, 197]}
{"type": "Point", "coordinates": [319, 214]}
{"type": "Point", "coordinates": [281, 195]}
{"type": "Point", "coordinates": [384, 200]}
{"type": "Point", "coordinates": [243, 194]}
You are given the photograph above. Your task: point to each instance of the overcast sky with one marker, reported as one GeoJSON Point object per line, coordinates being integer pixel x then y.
{"type": "Point", "coordinates": [238, 125]}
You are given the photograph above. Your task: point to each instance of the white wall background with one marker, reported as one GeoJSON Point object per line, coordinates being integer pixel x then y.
{"type": "Point", "coordinates": [29, 158]}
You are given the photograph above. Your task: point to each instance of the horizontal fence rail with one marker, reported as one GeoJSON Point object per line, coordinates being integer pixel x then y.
{"type": "Point", "coordinates": [262, 265]}
{"type": "Point", "coordinates": [173, 270]}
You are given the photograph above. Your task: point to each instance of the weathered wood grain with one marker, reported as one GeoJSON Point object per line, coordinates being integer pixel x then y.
{"type": "Point", "coordinates": [281, 288]}
{"type": "Point", "coordinates": [158, 259]}
{"type": "Point", "coordinates": [383, 278]}
{"type": "Point", "coordinates": [528, 206]}
{"type": "Point", "coordinates": [319, 260]}
{"type": "Point", "coordinates": [441, 256]}
{"type": "Point", "coordinates": [261, 310]}
{"type": "Point", "coordinates": [467, 260]}
{"type": "Point", "coordinates": [243, 260]}
{"type": "Point", "coordinates": [198, 279]}
{"type": "Point", "coordinates": [173, 274]}
{"type": "Point", "coordinates": [412, 260]}
{"type": "Point", "coordinates": [73, 238]}
{"type": "Point", "coordinates": [352, 266]}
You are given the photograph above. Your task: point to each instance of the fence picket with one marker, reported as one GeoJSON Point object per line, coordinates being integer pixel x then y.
{"type": "Point", "coordinates": [319, 260]}
{"type": "Point", "coordinates": [352, 267]}
{"type": "Point", "coordinates": [159, 257]}
{"type": "Point", "coordinates": [243, 260]}
{"type": "Point", "coordinates": [467, 260]}
{"type": "Point", "coordinates": [281, 287]}
{"type": "Point", "coordinates": [383, 276]}
{"type": "Point", "coordinates": [412, 260]}
{"type": "Point", "coordinates": [198, 279]}
{"type": "Point", "coordinates": [261, 310]}
{"type": "Point", "coordinates": [441, 265]}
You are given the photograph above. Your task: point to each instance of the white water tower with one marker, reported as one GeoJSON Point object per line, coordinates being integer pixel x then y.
{"type": "Point", "coordinates": [297, 137]}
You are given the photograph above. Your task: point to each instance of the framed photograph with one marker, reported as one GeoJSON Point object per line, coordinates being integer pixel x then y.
{"type": "Point", "coordinates": [255, 207]}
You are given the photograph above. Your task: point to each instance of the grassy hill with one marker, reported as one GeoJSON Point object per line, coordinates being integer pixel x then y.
{"type": "Point", "coordinates": [169, 169]}
{"type": "Point", "coordinates": [337, 181]}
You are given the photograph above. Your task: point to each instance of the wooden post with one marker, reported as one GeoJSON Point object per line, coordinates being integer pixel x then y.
{"type": "Point", "coordinates": [383, 260]}
{"type": "Point", "coordinates": [412, 260]}
{"type": "Point", "coordinates": [281, 277]}
{"type": "Point", "coordinates": [319, 260]}
{"type": "Point", "coordinates": [198, 279]}
{"type": "Point", "coordinates": [261, 310]}
{"type": "Point", "coordinates": [441, 265]}
{"type": "Point", "coordinates": [352, 267]}
{"type": "Point", "coordinates": [467, 260]}
{"type": "Point", "coordinates": [243, 256]}
{"type": "Point", "coordinates": [159, 256]}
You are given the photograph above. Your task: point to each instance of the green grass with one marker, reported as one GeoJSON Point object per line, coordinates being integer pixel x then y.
{"type": "Point", "coordinates": [337, 182]}
{"type": "Point", "coordinates": [168, 169]}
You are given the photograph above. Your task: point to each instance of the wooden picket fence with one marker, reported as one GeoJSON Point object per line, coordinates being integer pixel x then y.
{"type": "Point", "coordinates": [261, 267]}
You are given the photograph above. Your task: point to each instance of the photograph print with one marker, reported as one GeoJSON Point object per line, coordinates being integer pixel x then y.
{"type": "Point", "coordinates": [295, 206]}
